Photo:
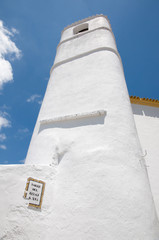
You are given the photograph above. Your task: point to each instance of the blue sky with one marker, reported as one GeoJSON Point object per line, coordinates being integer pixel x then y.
{"type": "Point", "coordinates": [29, 33]}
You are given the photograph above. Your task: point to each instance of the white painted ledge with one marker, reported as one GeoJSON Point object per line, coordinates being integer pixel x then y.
{"type": "Point", "coordinates": [85, 54]}
{"type": "Point", "coordinates": [74, 117]}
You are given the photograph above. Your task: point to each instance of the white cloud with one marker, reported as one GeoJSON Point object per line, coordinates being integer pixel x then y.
{"type": "Point", "coordinates": [7, 48]}
{"type": "Point", "coordinates": [3, 147]}
{"type": "Point", "coordinates": [14, 31]}
{"type": "Point", "coordinates": [6, 74]}
{"type": "Point", "coordinates": [2, 137]}
{"type": "Point", "coordinates": [35, 98]}
{"type": "Point", "coordinates": [4, 122]}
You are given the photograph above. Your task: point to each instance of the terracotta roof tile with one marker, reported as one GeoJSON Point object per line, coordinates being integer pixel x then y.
{"type": "Point", "coordinates": [144, 101]}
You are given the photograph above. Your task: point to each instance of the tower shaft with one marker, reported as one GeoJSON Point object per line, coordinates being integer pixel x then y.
{"type": "Point", "coordinates": [86, 130]}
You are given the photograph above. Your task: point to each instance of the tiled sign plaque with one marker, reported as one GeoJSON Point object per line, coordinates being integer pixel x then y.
{"type": "Point", "coordinates": [34, 192]}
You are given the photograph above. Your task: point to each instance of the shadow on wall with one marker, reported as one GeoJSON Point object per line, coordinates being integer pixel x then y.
{"type": "Point", "coordinates": [74, 123]}
{"type": "Point", "coordinates": [145, 110]}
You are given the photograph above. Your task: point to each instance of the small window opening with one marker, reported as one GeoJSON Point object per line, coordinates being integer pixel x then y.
{"type": "Point", "coordinates": [80, 28]}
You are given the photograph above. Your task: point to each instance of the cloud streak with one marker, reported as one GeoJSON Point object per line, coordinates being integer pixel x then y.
{"type": "Point", "coordinates": [3, 147]}
{"type": "Point", "coordinates": [4, 122]}
{"type": "Point", "coordinates": [7, 48]}
{"type": "Point", "coordinates": [35, 98]}
{"type": "Point", "coordinates": [2, 137]}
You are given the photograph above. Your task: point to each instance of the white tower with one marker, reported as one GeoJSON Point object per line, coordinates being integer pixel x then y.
{"type": "Point", "coordinates": [86, 130]}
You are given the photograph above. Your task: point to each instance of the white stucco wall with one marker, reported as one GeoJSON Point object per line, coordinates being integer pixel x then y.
{"type": "Point", "coordinates": [89, 78]}
{"type": "Point", "coordinates": [17, 221]}
{"type": "Point", "coordinates": [81, 201]}
{"type": "Point", "coordinates": [101, 183]}
{"type": "Point", "coordinates": [96, 182]}
{"type": "Point", "coordinates": [147, 123]}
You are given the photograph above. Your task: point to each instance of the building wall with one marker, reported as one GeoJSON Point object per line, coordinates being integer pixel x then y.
{"type": "Point", "coordinates": [147, 123]}
{"type": "Point", "coordinates": [87, 76]}
{"type": "Point", "coordinates": [101, 182]}
{"type": "Point", "coordinates": [17, 220]}
{"type": "Point", "coordinates": [96, 182]}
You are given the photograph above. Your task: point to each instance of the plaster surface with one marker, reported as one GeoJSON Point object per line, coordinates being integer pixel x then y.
{"type": "Point", "coordinates": [84, 85]}
{"type": "Point", "coordinates": [17, 221]}
{"type": "Point", "coordinates": [102, 182]}
{"type": "Point", "coordinates": [99, 38]}
{"type": "Point", "coordinates": [147, 123]}
{"type": "Point", "coordinates": [96, 180]}
{"type": "Point", "coordinates": [81, 201]}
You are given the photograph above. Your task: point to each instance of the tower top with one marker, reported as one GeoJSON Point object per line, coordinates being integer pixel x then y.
{"type": "Point", "coordinates": [86, 20]}
{"type": "Point", "coordinates": [87, 35]}
{"type": "Point", "coordinates": [90, 23]}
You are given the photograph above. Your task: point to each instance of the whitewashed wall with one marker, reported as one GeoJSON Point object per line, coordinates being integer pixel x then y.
{"type": "Point", "coordinates": [147, 123]}
{"type": "Point", "coordinates": [96, 184]}
{"type": "Point", "coordinates": [17, 220]}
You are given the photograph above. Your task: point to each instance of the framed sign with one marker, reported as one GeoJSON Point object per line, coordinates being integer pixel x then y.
{"type": "Point", "coordinates": [34, 192]}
